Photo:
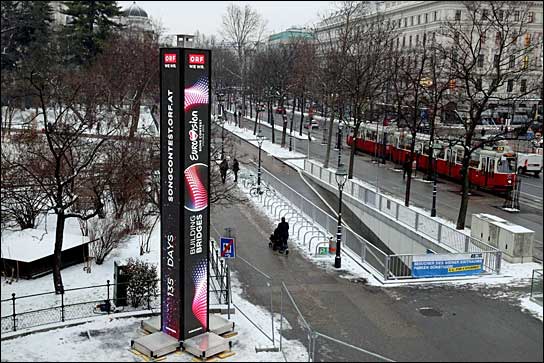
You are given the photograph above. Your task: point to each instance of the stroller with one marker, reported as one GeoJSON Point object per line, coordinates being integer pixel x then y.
{"type": "Point", "coordinates": [276, 243]}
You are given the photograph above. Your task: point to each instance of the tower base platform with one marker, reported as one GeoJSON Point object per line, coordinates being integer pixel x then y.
{"type": "Point", "coordinates": [206, 345]}
{"type": "Point", "coordinates": [155, 345]}
{"type": "Point", "coordinates": [220, 325]}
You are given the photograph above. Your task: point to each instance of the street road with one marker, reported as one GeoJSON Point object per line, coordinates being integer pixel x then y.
{"type": "Point", "coordinates": [388, 179]}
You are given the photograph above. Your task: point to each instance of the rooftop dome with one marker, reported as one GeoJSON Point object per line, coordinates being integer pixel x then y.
{"type": "Point", "coordinates": [135, 10]}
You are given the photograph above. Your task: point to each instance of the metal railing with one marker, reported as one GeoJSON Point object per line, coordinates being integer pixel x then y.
{"type": "Point", "coordinates": [329, 348]}
{"type": "Point", "coordinates": [536, 286]}
{"type": "Point", "coordinates": [309, 216]}
{"type": "Point", "coordinates": [28, 311]}
{"type": "Point", "coordinates": [19, 312]}
{"type": "Point", "coordinates": [220, 283]}
{"type": "Point", "coordinates": [434, 231]}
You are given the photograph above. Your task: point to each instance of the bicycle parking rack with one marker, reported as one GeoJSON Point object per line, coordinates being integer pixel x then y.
{"type": "Point", "coordinates": [321, 233]}
{"type": "Point", "coordinates": [310, 231]}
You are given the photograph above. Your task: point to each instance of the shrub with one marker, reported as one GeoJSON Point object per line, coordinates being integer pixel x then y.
{"type": "Point", "coordinates": [142, 283]}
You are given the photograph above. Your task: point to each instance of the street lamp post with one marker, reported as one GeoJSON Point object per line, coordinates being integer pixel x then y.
{"type": "Point", "coordinates": [341, 178]}
{"type": "Point", "coordinates": [220, 99]}
{"type": "Point", "coordinates": [260, 139]}
{"type": "Point", "coordinates": [340, 126]}
{"type": "Point", "coordinates": [433, 165]}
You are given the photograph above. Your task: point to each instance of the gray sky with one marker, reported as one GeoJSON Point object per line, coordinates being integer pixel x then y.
{"type": "Point", "coordinates": [186, 17]}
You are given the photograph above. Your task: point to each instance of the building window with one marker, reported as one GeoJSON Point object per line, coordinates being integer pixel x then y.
{"type": "Point", "coordinates": [479, 84]}
{"type": "Point", "coordinates": [500, 15]}
{"type": "Point", "coordinates": [456, 38]}
{"type": "Point", "coordinates": [498, 37]}
{"type": "Point", "coordinates": [530, 17]}
{"type": "Point", "coordinates": [523, 86]}
{"type": "Point", "coordinates": [496, 60]}
{"type": "Point", "coordinates": [405, 22]}
{"type": "Point", "coordinates": [424, 38]}
{"type": "Point", "coordinates": [435, 16]}
{"type": "Point", "coordinates": [516, 15]}
{"type": "Point", "coordinates": [418, 19]}
{"type": "Point", "coordinates": [527, 39]}
{"type": "Point", "coordinates": [510, 86]}
{"type": "Point", "coordinates": [482, 39]}
{"type": "Point", "coordinates": [426, 18]}
{"type": "Point", "coordinates": [485, 14]}
{"type": "Point", "coordinates": [457, 14]}
{"type": "Point", "coordinates": [412, 20]}
{"type": "Point", "coordinates": [480, 60]}
{"type": "Point", "coordinates": [410, 42]}
{"type": "Point", "coordinates": [403, 41]}
{"type": "Point", "coordinates": [512, 62]}
{"type": "Point", "coordinates": [525, 61]}
{"type": "Point", "coordinates": [417, 39]}
{"type": "Point", "coordinates": [400, 22]}
{"type": "Point", "coordinates": [398, 42]}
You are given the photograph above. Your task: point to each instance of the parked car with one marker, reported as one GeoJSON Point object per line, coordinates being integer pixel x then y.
{"type": "Point", "coordinates": [519, 119]}
{"type": "Point", "coordinates": [487, 121]}
{"type": "Point", "coordinates": [529, 163]}
{"type": "Point", "coordinates": [314, 124]}
{"type": "Point", "coordinates": [281, 110]}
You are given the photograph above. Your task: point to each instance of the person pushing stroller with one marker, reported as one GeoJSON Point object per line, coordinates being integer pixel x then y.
{"type": "Point", "coordinates": [278, 240]}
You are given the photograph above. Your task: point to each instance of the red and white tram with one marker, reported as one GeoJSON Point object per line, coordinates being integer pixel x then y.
{"type": "Point", "coordinates": [492, 168]}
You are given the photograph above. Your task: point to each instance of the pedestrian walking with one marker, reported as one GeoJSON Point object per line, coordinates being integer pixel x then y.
{"type": "Point", "coordinates": [405, 167]}
{"type": "Point", "coordinates": [235, 169]}
{"type": "Point", "coordinates": [223, 168]}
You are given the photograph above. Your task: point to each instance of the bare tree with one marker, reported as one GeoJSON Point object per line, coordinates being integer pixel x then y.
{"type": "Point", "coordinates": [68, 109]}
{"type": "Point", "coordinates": [243, 28]}
{"type": "Point", "coordinates": [476, 81]}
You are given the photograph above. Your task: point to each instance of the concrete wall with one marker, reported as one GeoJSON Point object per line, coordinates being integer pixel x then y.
{"type": "Point", "coordinates": [398, 238]}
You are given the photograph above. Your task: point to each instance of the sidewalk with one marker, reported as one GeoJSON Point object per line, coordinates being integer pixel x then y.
{"type": "Point", "coordinates": [386, 321]}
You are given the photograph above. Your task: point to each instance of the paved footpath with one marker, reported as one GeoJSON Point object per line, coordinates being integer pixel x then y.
{"type": "Point", "coordinates": [463, 325]}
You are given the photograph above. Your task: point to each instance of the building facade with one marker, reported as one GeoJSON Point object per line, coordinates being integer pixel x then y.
{"type": "Point", "coordinates": [289, 35]}
{"type": "Point", "coordinates": [418, 21]}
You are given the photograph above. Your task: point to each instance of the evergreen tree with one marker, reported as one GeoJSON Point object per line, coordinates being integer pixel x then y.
{"type": "Point", "coordinates": [26, 31]}
{"type": "Point", "coordinates": [90, 25]}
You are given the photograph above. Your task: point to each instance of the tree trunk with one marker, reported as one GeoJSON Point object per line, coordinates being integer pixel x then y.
{"type": "Point", "coordinates": [135, 114]}
{"type": "Point", "coordinates": [301, 113]}
{"type": "Point", "coordinates": [256, 122]}
{"type": "Point", "coordinates": [409, 172]}
{"type": "Point", "coordinates": [353, 148]}
{"type": "Point", "coordinates": [293, 112]}
{"type": "Point", "coordinates": [271, 113]}
{"type": "Point", "coordinates": [329, 141]}
{"type": "Point", "coordinates": [59, 233]}
{"type": "Point", "coordinates": [464, 193]}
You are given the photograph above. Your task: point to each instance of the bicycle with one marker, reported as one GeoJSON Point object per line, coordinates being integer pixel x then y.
{"type": "Point", "coordinates": [256, 190]}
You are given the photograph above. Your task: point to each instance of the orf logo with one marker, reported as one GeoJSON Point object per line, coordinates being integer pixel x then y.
{"type": "Point", "coordinates": [169, 58]}
{"type": "Point", "coordinates": [193, 135]}
{"type": "Point", "coordinates": [196, 58]}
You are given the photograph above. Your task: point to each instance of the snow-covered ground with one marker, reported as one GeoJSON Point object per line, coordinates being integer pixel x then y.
{"type": "Point", "coordinates": [511, 274]}
{"type": "Point", "coordinates": [107, 338]}
{"type": "Point", "coordinates": [267, 146]}
{"type": "Point", "coordinates": [278, 127]}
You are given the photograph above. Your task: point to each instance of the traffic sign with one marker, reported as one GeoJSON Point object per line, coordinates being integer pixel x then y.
{"type": "Point", "coordinates": [228, 249]}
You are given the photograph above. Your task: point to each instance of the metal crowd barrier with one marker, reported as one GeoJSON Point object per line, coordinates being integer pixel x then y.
{"type": "Point", "coordinates": [436, 232]}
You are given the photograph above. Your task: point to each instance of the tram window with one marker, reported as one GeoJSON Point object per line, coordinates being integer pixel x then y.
{"type": "Point", "coordinates": [440, 154]}
{"type": "Point", "coordinates": [474, 161]}
{"type": "Point", "coordinates": [459, 156]}
{"type": "Point", "coordinates": [506, 165]}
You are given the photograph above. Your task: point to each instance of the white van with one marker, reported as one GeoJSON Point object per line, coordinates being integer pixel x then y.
{"type": "Point", "coordinates": [529, 163]}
